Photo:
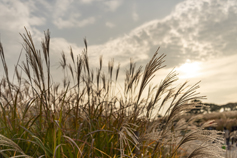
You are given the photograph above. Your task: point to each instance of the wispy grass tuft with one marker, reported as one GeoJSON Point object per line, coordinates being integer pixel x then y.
{"type": "Point", "coordinates": [91, 114]}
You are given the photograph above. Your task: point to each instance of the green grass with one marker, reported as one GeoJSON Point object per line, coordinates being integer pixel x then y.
{"type": "Point", "coordinates": [91, 114]}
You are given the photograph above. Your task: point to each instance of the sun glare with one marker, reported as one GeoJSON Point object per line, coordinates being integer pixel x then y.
{"type": "Point", "coordinates": [189, 69]}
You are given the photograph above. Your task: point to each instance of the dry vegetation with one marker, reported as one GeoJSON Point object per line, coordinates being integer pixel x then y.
{"type": "Point", "coordinates": [91, 115]}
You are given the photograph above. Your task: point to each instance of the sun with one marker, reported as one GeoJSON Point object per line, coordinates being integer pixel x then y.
{"type": "Point", "coordinates": [189, 69]}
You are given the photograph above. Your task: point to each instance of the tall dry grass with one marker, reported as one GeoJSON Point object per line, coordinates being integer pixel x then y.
{"type": "Point", "coordinates": [92, 115]}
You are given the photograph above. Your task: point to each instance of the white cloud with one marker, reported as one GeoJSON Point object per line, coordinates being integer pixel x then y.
{"type": "Point", "coordinates": [60, 44]}
{"type": "Point", "coordinates": [63, 7]}
{"type": "Point", "coordinates": [85, 22]}
{"type": "Point", "coordinates": [15, 14]}
{"type": "Point", "coordinates": [112, 5]}
{"type": "Point", "coordinates": [86, 1]}
{"type": "Point", "coordinates": [189, 32]}
{"type": "Point", "coordinates": [66, 16]}
{"type": "Point", "coordinates": [109, 24]}
{"type": "Point", "coordinates": [73, 21]}
{"type": "Point", "coordinates": [135, 16]}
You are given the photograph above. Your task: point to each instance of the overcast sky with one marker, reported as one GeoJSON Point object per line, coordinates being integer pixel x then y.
{"type": "Point", "coordinates": [199, 37]}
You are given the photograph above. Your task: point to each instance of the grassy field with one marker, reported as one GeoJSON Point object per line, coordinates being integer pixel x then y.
{"type": "Point", "coordinates": [92, 115]}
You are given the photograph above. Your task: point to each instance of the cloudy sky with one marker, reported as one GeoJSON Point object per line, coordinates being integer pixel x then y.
{"type": "Point", "coordinates": [199, 37]}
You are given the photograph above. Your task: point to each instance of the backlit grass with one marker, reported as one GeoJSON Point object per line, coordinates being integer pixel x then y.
{"type": "Point", "coordinates": [91, 114]}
